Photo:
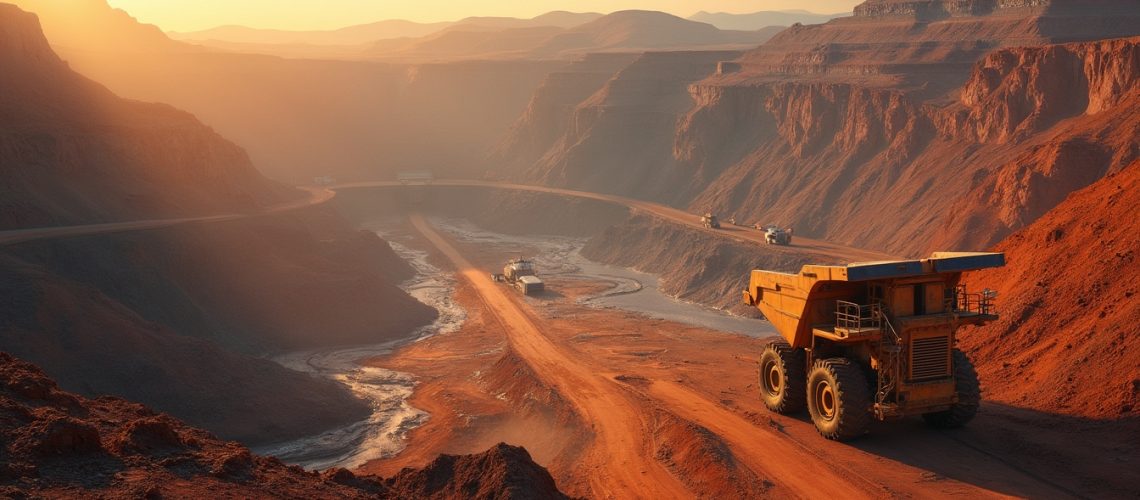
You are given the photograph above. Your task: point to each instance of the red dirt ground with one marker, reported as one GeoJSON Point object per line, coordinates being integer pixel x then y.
{"type": "Point", "coordinates": [538, 371]}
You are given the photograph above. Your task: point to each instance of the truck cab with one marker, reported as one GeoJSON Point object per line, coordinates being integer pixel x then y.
{"type": "Point", "coordinates": [888, 328]}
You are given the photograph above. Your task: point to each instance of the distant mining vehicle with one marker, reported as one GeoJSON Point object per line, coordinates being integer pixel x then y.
{"type": "Point", "coordinates": [776, 235]}
{"type": "Point", "coordinates": [872, 341]}
{"type": "Point", "coordinates": [521, 273]}
{"type": "Point", "coordinates": [710, 221]}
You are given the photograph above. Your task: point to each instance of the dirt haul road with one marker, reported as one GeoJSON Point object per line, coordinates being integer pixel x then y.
{"type": "Point", "coordinates": [620, 461]}
{"type": "Point", "coordinates": [316, 196]}
{"type": "Point", "coordinates": [739, 233]}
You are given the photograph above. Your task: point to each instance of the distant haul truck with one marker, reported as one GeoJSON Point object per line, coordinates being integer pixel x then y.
{"type": "Point", "coordinates": [776, 235]}
{"type": "Point", "coordinates": [521, 273]}
{"type": "Point", "coordinates": [872, 341]}
{"type": "Point", "coordinates": [325, 180]}
{"type": "Point", "coordinates": [710, 221]}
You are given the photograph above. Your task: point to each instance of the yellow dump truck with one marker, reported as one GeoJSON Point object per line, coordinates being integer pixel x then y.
{"type": "Point", "coordinates": [872, 341]}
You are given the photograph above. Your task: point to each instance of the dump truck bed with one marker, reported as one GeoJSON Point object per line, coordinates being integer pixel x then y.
{"type": "Point", "coordinates": [797, 303]}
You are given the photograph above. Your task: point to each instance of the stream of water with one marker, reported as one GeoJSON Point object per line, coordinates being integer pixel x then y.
{"type": "Point", "coordinates": [383, 433]}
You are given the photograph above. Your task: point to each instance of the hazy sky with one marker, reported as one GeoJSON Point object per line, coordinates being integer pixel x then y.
{"type": "Point", "coordinates": [191, 15]}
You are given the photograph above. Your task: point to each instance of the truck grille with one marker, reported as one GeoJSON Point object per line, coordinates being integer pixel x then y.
{"type": "Point", "coordinates": [930, 358]}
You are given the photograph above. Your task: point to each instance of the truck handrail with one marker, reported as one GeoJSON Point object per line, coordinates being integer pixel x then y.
{"type": "Point", "coordinates": [855, 316]}
{"type": "Point", "coordinates": [979, 303]}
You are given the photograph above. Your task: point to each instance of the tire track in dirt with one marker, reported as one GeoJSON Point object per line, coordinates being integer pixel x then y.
{"type": "Point", "coordinates": [621, 456]}
{"type": "Point", "coordinates": [622, 465]}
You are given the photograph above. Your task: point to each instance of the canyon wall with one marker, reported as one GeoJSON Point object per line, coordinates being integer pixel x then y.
{"type": "Point", "coordinates": [176, 318]}
{"type": "Point", "coordinates": [121, 158]}
{"type": "Point", "coordinates": [886, 130]}
{"type": "Point", "coordinates": [617, 140]}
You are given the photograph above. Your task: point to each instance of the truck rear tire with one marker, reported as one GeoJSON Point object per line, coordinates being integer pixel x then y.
{"type": "Point", "coordinates": [839, 399]}
{"type": "Point", "coordinates": [969, 396]}
{"type": "Point", "coordinates": [782, 378]}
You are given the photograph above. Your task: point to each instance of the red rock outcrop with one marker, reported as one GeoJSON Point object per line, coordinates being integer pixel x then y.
{"type": "Point", "coordinates": [55, 444]}
{"type": "Point", "coordinates": [919, 108]}
{"type": "Point", "coordinates": [1055, 119]}
{"type": "Point", "coordinates": [1066, 342]}
{"type": "Point", "coordinates": [1030, 126]}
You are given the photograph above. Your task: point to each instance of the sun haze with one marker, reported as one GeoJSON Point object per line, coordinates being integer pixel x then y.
{"type": "Point", "coordinates": [189, 15]}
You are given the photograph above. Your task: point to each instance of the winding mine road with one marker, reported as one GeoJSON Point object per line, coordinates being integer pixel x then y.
{"type": "Point", "coordinates": [317, 196]}
{"type": "Point", "coordinates": [740, 233]}
{"type": "Point", "coordinates": [321, 195]}
{"type": "Point", "coordinates": [626, 467]}
{"type": "Point", "coordinates": [621, 461]}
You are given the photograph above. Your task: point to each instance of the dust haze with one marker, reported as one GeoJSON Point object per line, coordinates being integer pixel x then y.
{"type": "Point", "coordinates": [576, 255]}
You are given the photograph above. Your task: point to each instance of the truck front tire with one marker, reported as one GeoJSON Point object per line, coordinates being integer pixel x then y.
{"type": "Point", "coordinates": [969, 396]}
{"type": "Point", "coordinates": [839, 399]}
{"type": "Point", "coordinates": [782, 378]}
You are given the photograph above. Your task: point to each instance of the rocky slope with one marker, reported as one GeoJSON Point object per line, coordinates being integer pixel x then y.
{"type": "Point", "coordinates": [304, 118]}
{"type": "Point", "coordinates": [831, 128]}
{"type": "Point", "coordinates": [1068, 301]}
{"type": "Point", "coordinates": [123, 158]}
{"type": "Point", "coordinates": [56, 444]}
{"type": "Point", "coordinates": [619, 138]}
{"type": "Point", "coordinates": [552, 109]}
{"type": "Point", "coordinates": [174, 317]}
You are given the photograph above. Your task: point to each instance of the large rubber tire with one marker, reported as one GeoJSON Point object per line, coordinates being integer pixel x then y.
{"type": "Point", "coordinates": [839, 399]}
{"type": "Point", "coordinates": [782, 379]}
{"type": "Point", "coordinates": [969, 396]}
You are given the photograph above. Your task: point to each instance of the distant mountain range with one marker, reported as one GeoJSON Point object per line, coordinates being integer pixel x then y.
{"type": "Point", "coordinates": [370, 33]}
{"type": "Point", "coordinates": [762, 19]}
{"type": "Point", "coordinates": [547, 35]}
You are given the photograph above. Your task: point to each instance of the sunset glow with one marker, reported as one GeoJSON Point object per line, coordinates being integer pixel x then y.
{"type": "Point", "coordinates": [189, 15]}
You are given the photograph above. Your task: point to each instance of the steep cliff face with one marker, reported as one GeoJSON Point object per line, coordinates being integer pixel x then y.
{"type": "Point", "coordinates": [1066, 342]}
{"type": "Point", "coordinates": [809, 154]}
{"type": "Point", "coordinates": [1067, 114]}
{"type": "Point", "coordinates": [903, 108]}
{"type": "Point", "coordinates": [619, 137]}
{"type": "Point", "coordinates": [120, 158]}
{"type": "Point", "coordinates": [550, 113]}
{"type": "Point", "coordinates": [1029, 126]}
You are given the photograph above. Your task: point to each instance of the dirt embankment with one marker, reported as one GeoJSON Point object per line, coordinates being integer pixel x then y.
{"type": "Point", "coordinates": [56, 444]}
{"type": "Point", "coordinates": [1066, 342]}
{"type": "Point", "coordinates": [170, 318]}
{"type": "Point", "coordinates": [693, 265]}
